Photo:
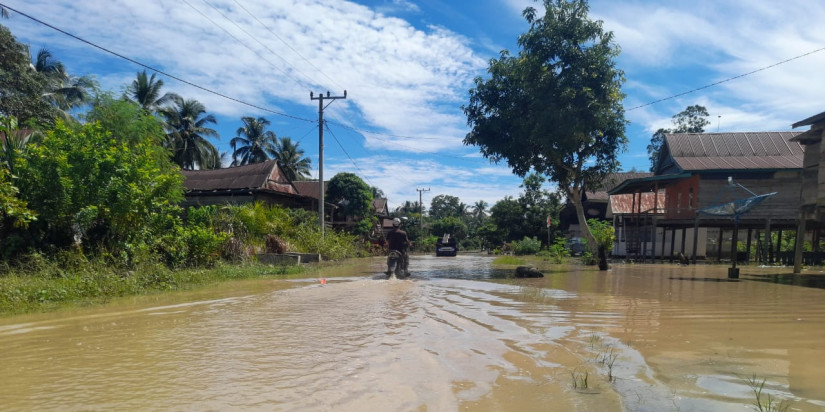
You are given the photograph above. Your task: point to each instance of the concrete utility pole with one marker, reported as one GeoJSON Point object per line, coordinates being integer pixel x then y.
{"type": "Point", "coordinates": [421, 209]}
{"type": "Point", "coordinates": [321, 108]}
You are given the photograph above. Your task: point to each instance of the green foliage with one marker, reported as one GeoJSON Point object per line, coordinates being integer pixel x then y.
{"type": "Point", "coordinates": [556, 108]}
{"type": "Point", "coordinates": [691, 120]}
{"type": "Point", "coordinates": [527, 246]}
{"type": "Point", "coordinates": [558, 252]}
{"type": "Point", "coordinates": [604, 233]}
{"type": "Point", "coordinates": [449, 225]}
{"type": "Point", "coordinates": [444, 206]}
{"type": "Point", "coordinates": [22, 89]}
{"type": "Point", "coordinates": [353, 197]}
{"type": "Point", "coordinates": [88, 186]}
{"type": "Point", "coordinates": [589, 259]}
{"type": "Point", "coordinates": [427, 244]}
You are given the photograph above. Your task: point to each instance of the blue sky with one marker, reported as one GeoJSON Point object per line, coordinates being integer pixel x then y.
{"type": "Point", "coordinates": [407, 66]}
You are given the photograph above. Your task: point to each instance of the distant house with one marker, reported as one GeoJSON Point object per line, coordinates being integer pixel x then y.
{"type": "Point", "coordinates": [695, 170]}
{"type": "Point", "coordinates": [264, 182]}
{"type": "Point", "coordinates": [595, 203]}
{"type": "Point", "coordinates": [310, 188]}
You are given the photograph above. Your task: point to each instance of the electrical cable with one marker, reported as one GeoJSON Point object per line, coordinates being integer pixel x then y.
{"type": "Point", "coordinates": [133, 61]}
{"type": "Point", "coordinates": [302, 84]}
{"type": "Point", "coordinates": [726, 80]}
{"type": "Point", "coordinates": [286, 44]}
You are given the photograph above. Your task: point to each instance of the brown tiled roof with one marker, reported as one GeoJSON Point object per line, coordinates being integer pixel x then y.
{"type": "Point", "coordinates": [265, 175]}
{"type": "Point", "coordinates": [726, 151]}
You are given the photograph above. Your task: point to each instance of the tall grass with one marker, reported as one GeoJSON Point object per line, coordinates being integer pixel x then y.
{"type": "Point", "coordinates": [45, 284]}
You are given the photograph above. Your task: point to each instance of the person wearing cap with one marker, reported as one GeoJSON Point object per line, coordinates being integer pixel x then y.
{"type": "Point", "coordinates": [397, 240]}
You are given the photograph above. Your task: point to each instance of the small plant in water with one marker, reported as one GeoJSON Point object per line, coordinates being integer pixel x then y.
{"type": "Point", "coordinates": [594, 340]}
{"type": "Point", "coordinates": [765, 402]}
{"type": "Point", "coordinates": [579, 379]}
{"type": "Point", "coordinates": [608, 358]}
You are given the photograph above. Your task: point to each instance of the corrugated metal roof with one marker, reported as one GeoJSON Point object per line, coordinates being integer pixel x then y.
{"type": "Point", "coordinates": [726, 151]}
{"type": "Point", "coordinates": [265, 175]}
{"type": "Point", "coordinates": [309, 188]}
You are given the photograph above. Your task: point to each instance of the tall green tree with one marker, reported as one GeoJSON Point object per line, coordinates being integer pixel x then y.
{"type": "Point", "coordinates": [292, 159]}
{"type": "Point", "coordinates": [187, 133]}
{"type": "Point", "coordinates": [353, 198]}
{"type": "Point", "coordinates": [145, 91]}
{"type": "Point", "coordinates": [22, 89]}
{"type": "Point", "coordinates": [537, 204]}
{"type": "Point", "coordinates": [253, 142]}
{"type": "Point", "coordinates": [65, 91]}
{"type": "Point", "coordinates": [556, 107]}
{"type": "Point", "coordinates": [691, 120]}
{"type": "Point", "coordinates": [446, 206]}
{"type": "Point", "coordinates": [507, 217]}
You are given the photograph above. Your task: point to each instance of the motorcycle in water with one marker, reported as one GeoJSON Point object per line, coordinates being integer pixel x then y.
{"type": "Point", "coordinates": [395, 265]}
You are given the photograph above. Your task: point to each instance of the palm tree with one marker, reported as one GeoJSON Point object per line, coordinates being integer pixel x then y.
{"type": "Point", "coordinates": [253, 142]}
{"type": "Point", "coordinates": [145, 91]}
{"type": "Point", "coordinates": [291, 159]}
{"type": "Point", "coordinates": [186, 122]}
{"type": "Point", "coordinates": [479, 209]}
{"type": "Point", "coordinates": [64, 91]}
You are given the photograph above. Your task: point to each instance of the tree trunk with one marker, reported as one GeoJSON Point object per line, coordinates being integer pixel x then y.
{"type": "Point", "coordinates": [602, 258]}
{"type": "Point", "coordinates": [575, 195]}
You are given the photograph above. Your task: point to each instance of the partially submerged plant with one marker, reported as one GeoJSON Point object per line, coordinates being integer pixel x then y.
{"type": "Point", "coordinates": [579, 379]}
{"type": "Point", "coordinates": [765, 402]}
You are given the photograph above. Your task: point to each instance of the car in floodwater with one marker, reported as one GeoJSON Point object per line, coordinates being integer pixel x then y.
{"type": "Point", "coordinates": [446, 246]}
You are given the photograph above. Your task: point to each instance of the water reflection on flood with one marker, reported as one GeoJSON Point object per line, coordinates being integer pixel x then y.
{"type": "Point", "coordinates": [458, 335]}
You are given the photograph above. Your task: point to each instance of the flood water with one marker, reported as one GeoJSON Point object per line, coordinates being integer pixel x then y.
{"type": "Point", "coordinates": [456, 336]}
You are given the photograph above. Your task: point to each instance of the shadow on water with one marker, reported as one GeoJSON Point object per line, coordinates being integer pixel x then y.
{"type": "Point", "coordinates": [808, 281]}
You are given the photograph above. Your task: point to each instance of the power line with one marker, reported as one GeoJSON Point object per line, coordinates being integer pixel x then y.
{"type": "Point", "coordinates": [133, 61]}
{"type": "Point", "coordinates": [726, 80]}
{"type": "Point", "coordinates": [307, 83]}
{"type": "Point", "coordinates": [347, 154]}
{"type": "Point", "coordinates": [287, 44]}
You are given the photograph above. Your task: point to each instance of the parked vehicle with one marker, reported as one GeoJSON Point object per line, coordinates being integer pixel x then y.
{"type": "Point", "coordinates": [576, 246]}
{"type": "Point", "coordinates": [446, 246]}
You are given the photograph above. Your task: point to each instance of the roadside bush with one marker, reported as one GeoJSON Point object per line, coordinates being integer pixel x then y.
{"type": "Point", "coordinates": [527, 246]}
{"type": "Point", "coordinates": [558, 251]}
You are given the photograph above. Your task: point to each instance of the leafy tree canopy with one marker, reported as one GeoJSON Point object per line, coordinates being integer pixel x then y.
{"type": "Point", "coordinates": [22, 89]}
{"type": "Point", "coordinates": [691, 120]}
{"type": "Point", "coordinates": [351, 194]}
{"type": "Point", "coordinates": [556, 107]}
{"type": "Point", "coordinates": [86, 185]}
{"type": "Point", "coordinates": [445, 206]}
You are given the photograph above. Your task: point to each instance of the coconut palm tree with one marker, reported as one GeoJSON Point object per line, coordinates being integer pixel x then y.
{"type": "Point", "coordinates": [145, 91]}
{"type": "Point", "coordinates": [64, 91]}
{"type": "Point", "coordinates": [253, 142]}
{"type": "Point", "coordinates": [291, 158]}
{"type": "Point", "coordinates": [187, 134]}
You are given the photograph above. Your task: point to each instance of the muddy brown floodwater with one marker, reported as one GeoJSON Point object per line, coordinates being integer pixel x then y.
{"type": "Point", "coordinates": [457, 336]}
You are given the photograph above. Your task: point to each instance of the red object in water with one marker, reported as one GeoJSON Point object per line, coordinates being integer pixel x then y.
{"type": "Point", "coordinates": [323, 281]}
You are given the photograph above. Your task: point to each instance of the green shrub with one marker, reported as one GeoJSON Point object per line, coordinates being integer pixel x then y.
{"type": "Point", "coordinates": [527, 246]}
{"type": "Point", "coordinates": [558, 251]}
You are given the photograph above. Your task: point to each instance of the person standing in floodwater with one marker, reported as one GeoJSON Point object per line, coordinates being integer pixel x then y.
{"type": "Point", "coordinates": [397, 240]}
